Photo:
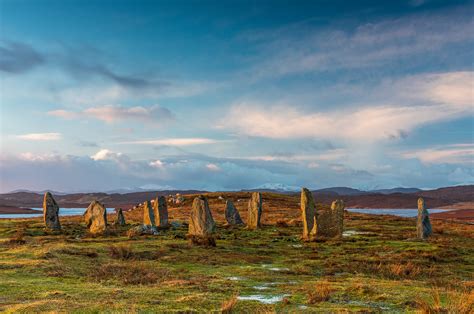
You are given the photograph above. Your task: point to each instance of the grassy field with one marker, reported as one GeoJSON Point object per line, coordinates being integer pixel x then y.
{"type": "Point", "coordinates": [377, 266]}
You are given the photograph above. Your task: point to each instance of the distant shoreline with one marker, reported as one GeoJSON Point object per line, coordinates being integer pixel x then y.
{"type": "Point", "coordinates": [16, 210]}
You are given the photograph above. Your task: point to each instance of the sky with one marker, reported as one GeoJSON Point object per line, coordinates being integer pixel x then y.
{"type": "Point", "coordinates": [229, 95]}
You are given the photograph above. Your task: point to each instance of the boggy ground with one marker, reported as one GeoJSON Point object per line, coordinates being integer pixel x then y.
{"type": "Point", "coordinates": [377, 266]}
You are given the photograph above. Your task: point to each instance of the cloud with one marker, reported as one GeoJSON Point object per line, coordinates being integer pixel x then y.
{"type": "Point", "coordinates": [114, 113]}
{"type": "Point", "coordinates": [82, 62]}
{"type": "Point", "coordinates": [450, 154]}
{"type": "Point", "coordinates": [415, 101]}
{"type": "Point", "coordinates": [18, 57]}
{"type": "Point", "coordinates": [40, 136]}
{"type": "Point", "coordinates": [81, 66]}
{"type": "Point", "coordinates": [156, 164]}
{"type": "Point", "coordinates": [108, 170]}
{"type": "Point", "coordinates": [174, 141]}
{"type": "Point", "coordinates": [213, 167]}
{"type": "Point", "coordinates": [303, 48]}
{"type": "Point", "coordinates": [105, 154]}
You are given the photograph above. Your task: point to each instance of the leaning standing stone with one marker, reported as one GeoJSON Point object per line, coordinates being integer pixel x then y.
{"type": "Point", "coordinates": [148, 215]}
{"type": "Point", "coordinates": [50, 212]}
{"type": "Point", "coordinates": [160, 210]}
{"type": "Point", "coordinates": [254, 211]}
{"type": "Point", "coordinates": [308, 213]}
{"type": "Point", "coordinates": [119, 219]}
{"type": "Point", "coordinates": [96, 217]}
{"type": "Point", "coordinates": [232, 215]}
{"type": "Point", "coordinates": [423, 224]}
{"type": "Point", "coordinates": [201, 222]}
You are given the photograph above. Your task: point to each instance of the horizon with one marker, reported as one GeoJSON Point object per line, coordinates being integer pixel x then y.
{"type": "Point", "coordinates": [228, 96]}
{"type": "Point", "coordinates": [293, 189]}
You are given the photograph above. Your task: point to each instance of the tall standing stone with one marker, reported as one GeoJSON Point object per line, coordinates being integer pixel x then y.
{"type": "Point", "coordinates": [160, 210]}
{"type": "Point", "coordinates": [337, 208]}
{"type": "Point", "coordinates": [96, 217]}
{"type": "Point", "coordinates": [254, 211]}
{"type": "Point", "coordinates": [148, 214]}
{"type": "Point", "coordinates": [201, 223]}
{"type": "Point", "coordinates": [308, 212]}
{"type": "Point", "coordinates": [423, 224]}
{"type": "Point", "coordinates": [232, 215]}
{"type": "Point", "coordinates": [50, 212]}
{"type": "Point", "coordinates": [119, 218]}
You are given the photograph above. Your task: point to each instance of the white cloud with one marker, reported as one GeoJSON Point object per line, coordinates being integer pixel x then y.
{"type": "Point", "coordinates": [430, 98]}
{"type": "Point", "coordinates": [116, 113]}
{"type": "Point", "coordinates": [105, 154]}
{"type": "Point", "coordinates": [40, 136]}
{"type": "Point", "coordinates": [213, 167]}
{"type": "Point", "coordinates": [156, 164]}
{"type": "Point", "coordinates": [174, 141]}
{"type": "Point", "coordinates": [28, 156]}
{"type": "Point", "coordinates": [451, 154]}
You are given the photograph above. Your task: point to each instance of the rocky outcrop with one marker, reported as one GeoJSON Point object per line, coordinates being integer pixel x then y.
{"type": "Point", "coordinates": [119, 218]}
{"type": "Point", "coordinates": [201, 223]}
{"type": "Point", "coordinates": [50, 212]}
{"type": "Point", "coordinates": [254, 211]}
{"type": "Point", "coordinates": [148, 215]}
{"type": "Point", "coordinates": [141, 230]}
{"type": "Point", "coordinates": [232, 215]}
{"type": "Point", "coordinates": [96, 217]}
{"type": "Point", "coordinates": [423, 224]}
{"type": "Point", "coordinates": [308, 213]}
{"type": "Point", "coordinates": [160, 210]}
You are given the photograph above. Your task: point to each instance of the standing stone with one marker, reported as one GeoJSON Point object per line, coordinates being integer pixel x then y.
{"type": "Point", "coordinates": [148, 215]}
{"type": "Point", "coordinates": [119, 219]}
{"type": "Point", "coordinates": [423, 224]}
{"type": "Point", "coordinates": [337, 208]}
{"type": "Point", "coordinates": [232, 214]}
{"type": "Point", "coordinates": [330, 220]}
{"type": "Point", "coordinates": [96, 217]}
{"type": "Point", "coordinates": [201, 223]}
{"type": "Point", "coordinates": [308, 212]}
{"type": "Point", "coordinates": [50, 212]}
{"type": "Point", "coordinates": [254, 211]}
{"type": "Point", "coordinates": [160, 210]}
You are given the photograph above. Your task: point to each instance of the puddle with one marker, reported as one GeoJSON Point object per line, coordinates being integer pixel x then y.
{"type": "Point", "coordinates": [350, 233]}
{"type": "Point", "coordinates": [297, 245]}
{"type": "Point", "coordinates": [235, 278]}
{"type": "Point", "coordinates": [268, 266]}
{"type": "Point", "coordinates": [302, 307]}
{"type": "Point", "coordinates": [262, 287]}
{"type": "Point", "coordinates": [266, 299]}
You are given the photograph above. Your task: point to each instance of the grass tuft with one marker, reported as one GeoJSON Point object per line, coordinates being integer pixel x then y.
{"type": "Point", "coordinates": [320, 293]}
{"type": "Point", "coordinates": [122, 252]}
{"type": "Point", "coordinates": [228, 305]}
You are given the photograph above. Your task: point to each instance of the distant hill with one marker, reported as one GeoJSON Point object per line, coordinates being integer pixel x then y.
{"type": "Point", "coordinates": [397, 190]}
{"type": "Point", "coordinates": [31, 199]}
{"type": "Point", "coordinates": [340, 191]}
{"type": "Point", "coordinates": [390, 198]}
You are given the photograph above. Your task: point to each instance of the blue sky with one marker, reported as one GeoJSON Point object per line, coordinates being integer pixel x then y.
{"type": "Point", "coordinates": [226, 95]}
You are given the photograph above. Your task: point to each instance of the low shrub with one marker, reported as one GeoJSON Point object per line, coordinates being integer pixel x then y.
{"type": "Point", "coordinates": [322, 292]}
{"type": "Point", "coordinates": [228, 305]}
